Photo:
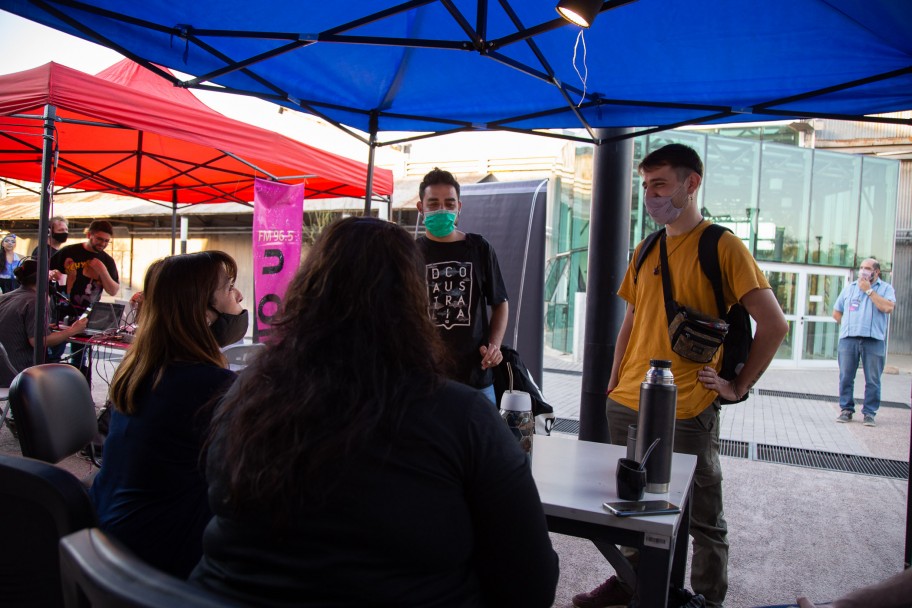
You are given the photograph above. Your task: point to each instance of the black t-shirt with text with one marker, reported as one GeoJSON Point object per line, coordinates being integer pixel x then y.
{"type": "Point", "coordinates": [463, 279]}
{"type": "Point", "coordinates": [83, 285]}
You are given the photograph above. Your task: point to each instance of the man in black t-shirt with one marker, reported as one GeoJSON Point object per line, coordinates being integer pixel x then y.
{"type": "Point", "coordinates": [463, 279]}
{"type": "Point", "coordinates": [88, 269]}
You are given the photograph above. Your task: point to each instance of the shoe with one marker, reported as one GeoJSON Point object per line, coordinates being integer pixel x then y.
{"type": "Point", "coordinates": [869, 420]}
{"type": "Point", "coordinates": [609, 593]}
{"type": "Point", "coordinates": [845, 416]}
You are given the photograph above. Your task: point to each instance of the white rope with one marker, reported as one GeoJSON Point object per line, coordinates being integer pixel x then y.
{"type": "Point", "coordinates": [522, 276]}
{"type": "Point", "coordinates": [585, 75]}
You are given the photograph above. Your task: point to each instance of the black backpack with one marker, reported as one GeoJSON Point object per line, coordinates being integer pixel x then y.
{"type": "Point", "coordinates": [737, 344]}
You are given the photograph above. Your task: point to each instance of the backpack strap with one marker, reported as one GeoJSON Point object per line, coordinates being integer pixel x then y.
{"type": "Point", "coordinates": [708, 254]}
{"type": "Point", "coordinates": [645, 246]}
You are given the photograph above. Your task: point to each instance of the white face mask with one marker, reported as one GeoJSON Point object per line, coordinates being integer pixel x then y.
{"type": "Point", "coordinates": [662, 209]}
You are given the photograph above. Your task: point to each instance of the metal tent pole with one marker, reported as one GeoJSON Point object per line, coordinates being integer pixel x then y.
{"type": "Point", "coordinates": [609, 236]}
{"type": "Point", "coordinates": [47, 185]}
{"type": "Point", "coordinates": [372, 143]}
{"type": "Point", "coordinates": [909, 509]}
{"type": "Point", "coordinates": [173, 216]}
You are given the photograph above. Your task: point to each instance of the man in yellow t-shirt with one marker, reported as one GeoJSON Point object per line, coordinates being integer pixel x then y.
{"type": "Point", "coordinates": [671, 177]}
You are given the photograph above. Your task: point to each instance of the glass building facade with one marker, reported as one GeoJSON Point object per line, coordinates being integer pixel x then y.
{"type": "Point", "coordinates": [808, 216]}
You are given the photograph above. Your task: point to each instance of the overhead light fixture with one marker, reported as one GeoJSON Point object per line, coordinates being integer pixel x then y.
{"type": "Point", "coordinates": [579, 12]}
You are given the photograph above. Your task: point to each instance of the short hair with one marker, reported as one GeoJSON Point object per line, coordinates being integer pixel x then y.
{"type": "Point", "coordinates": [59, 218]}
{"type": "Point", "coordinates": [683, 159]}
{"type": "Point", "coordinates": [27, 272]}
{"type": "Point", "coordinates": [436, 177]}
{"type": "Point", "coordinates": [875, 264]}
{"type": "Point", "coordinates": [101, 226]}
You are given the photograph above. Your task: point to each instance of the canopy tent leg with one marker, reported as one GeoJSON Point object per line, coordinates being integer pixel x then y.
{"type": "Point", "coordinates": [173, 217]}
{"type": "Point", "coordinates": [185, 228]}
{"type": "Point", "coordinates": [908, 563]}
{"type": "Point", "coordinates": [372, 145]}
{"type": "Point", "coordinates": [47, 185]}
{"type": "Point", "coordinates": [609, 236]}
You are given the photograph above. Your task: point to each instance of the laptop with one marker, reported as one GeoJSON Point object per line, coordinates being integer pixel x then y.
{"type": "Point", "coordinates": [104, 318]}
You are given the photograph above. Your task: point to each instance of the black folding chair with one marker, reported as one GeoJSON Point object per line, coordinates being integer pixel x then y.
{"type": "Point", "coordinates": [99, 572]}
{"type": "Point", "coordinates": [40, 503]}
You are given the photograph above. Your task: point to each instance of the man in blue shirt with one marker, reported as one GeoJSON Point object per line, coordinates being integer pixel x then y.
{"type": "Point", "coordinates": [862, 309]}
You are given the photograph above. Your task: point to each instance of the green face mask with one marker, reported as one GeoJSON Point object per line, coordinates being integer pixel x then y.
{"type": "Point", "coordinates": [440, 223]}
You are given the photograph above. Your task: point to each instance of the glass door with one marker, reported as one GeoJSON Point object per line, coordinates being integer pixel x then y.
{"type": "Point", "coordinates": [807, 295]}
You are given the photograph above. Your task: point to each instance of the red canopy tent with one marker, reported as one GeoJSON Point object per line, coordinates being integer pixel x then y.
{"type": "Point", "coordinates": [128, 131]}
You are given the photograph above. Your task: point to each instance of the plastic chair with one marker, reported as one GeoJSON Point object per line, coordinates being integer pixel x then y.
{"type": "Point", "coordinates": [54, 412]}
{"type": "Point", "coordinates": [100, 572]}
{"type": "Point", "coordinates": [41, 503]}
{"type": "Point", "coordinates": [240, 355]}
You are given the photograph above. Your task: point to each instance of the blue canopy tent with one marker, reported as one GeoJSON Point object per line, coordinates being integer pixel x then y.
{"type": "Point", "coordinates": [439, 66]}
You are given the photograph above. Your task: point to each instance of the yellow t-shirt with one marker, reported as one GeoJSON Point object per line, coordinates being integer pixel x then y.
{"type": "Point", "coordinates": [690, 287]}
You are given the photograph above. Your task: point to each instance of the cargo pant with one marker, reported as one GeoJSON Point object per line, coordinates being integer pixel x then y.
{"type": "Point", "coordinates": [698, 436]}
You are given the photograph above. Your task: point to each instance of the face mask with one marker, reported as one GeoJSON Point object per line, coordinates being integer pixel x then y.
{"type": "Point", "coordinates": [229, 329]}
{"type": "Point", "coordinates": [661, 208]}
{"type": "Point", "coordinates": [60, 237]}
{"type": "Point", "coordinates": [866, 275]}
{"type": "Point", "coordinates": [440, 223]}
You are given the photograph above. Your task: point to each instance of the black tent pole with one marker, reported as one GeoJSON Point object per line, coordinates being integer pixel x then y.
{"type": "Point", "coordinates": [47, 185]}
{"type": "Point", "coordinates": [909, 508]}
{"type": "Point", "coordinates": [173, 216]}
{"type": "Point", "coordinates": [372, 144]}
{"type": "Point", "coordinates": [609, 236]}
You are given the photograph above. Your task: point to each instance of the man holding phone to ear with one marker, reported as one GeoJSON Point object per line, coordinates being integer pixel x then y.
{"type": "Point", "coordinates": [862, 310]}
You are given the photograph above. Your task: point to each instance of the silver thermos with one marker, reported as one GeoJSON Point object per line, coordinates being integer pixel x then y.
{"type": "Point", "coordinates": [658, 400]}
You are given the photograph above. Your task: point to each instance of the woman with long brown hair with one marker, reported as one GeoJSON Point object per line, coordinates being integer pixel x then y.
{"type": "Point", "coordinates": [345, 470]}
{"type": "Point", "coordinates": [151, 491]}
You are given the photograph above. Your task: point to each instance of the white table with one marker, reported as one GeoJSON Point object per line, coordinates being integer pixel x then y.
{"type": "Point", "coordinates": [575, 477]}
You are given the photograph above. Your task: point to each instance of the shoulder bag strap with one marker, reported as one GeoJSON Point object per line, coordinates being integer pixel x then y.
{"type": "Point", "coordinates": [670, 304]}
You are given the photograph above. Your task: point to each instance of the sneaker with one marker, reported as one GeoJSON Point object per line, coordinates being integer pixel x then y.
{"type": "Point", "coordinates": [609, 593]}
{"type": "Point", "coordinates": [869, 420]}
{"type": "Point", "coordinates": [845, 416]}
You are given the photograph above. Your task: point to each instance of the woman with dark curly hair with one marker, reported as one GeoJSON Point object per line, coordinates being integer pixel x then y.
{"type": "Point", "coordinates": [344, 470]}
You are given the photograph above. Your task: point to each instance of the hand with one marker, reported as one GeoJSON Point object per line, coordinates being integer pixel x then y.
{"type": "Point", "coordinates": [612, 384]}
{"type": "Point", "coordinates": [98, 266]}
{"type": "Point", "coordinates": [864, 284]}
{"type": "Point", "coordinates": [78, 326]}
{"type": "Point", "coordinates": [711, 380]}
{"type": "Point", "coordinates": [54, 275]}
{"type": "Point", "coordinates": [490, 356]}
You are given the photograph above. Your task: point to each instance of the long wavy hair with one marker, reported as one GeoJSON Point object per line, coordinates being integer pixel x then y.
{"type": "Point", "coordinates": [172, 326]}
{"type": "Point", "coordinates": [352, 348]}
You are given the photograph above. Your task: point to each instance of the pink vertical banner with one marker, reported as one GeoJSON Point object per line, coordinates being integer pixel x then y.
{"type": "Point", "coordinates": [278, 215]}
